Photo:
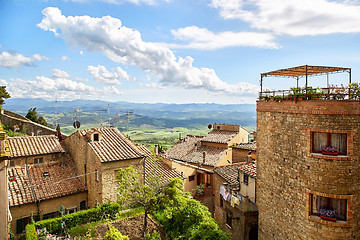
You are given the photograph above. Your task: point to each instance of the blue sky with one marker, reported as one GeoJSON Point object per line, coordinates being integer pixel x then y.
{"type": "Point", "coordinates": [171, 51]}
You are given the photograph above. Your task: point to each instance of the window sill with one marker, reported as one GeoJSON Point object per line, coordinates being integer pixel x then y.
{"type": "Point", "coordinates": [338, 157]}
{"type": "Point", "coordinates": [338, 223]}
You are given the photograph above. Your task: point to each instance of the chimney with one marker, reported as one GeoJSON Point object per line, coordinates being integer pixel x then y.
{"type": "Point", "coordinates": [254, 134]}
{"type": "Point", "coordinates": [156, 149]}
{"type": "Point", "coordinates": [249, 158]}
{"type": "Point", "coordinates": [195, 146]}
{"type": "Point", "coordinates": [180, 136]}
{"type": "Point", "coordinates": [2, 142]}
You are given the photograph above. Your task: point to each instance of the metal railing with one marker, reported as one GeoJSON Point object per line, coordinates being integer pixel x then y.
{"type": "Point", "coordinates": [331, 93]}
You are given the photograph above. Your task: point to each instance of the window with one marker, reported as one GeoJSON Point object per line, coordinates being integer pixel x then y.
{"type": "Point", "coordinates": [328, 208]}
{"type": "Point", "coordinates": [11, 163]}
{"type": "Point", "coordinates": [208, 179]}
{"type": "Point", "coordinates": [50, 215]}
{"type": "Point", "coordinates": [229, 219]}
{"type": "Point", "coordinates": [246, 179]}
{"type": "Point", "coordinates": [191, 178]}
{"type": "Point", "coordinates": [21, 224]}
{"type": "Point", "coordinates": [221, 200]}
{"type": "Point", "coordinates": [96, 137]}
{"type": "Point", "coordinates": [336, 140]}
{"type": "Point", "coordinates": [82, 205]}
{"type": "Point", "coordinates": [71, 210]}
{"type": "Point", "coordinates": [38, 160]}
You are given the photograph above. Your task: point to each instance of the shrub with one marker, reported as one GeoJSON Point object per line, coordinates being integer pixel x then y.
{"type": "Point", "coordinates": [30, 232]}
{"type": "Point", "coordinates": [114, 234]}
{"type": "Point", "coordinates": [154, 236]}
{"type": "Point", "coordinates": [104, 211]}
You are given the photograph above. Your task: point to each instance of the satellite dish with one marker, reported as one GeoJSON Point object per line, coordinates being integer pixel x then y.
{"type": "Point", "coordinates": [209, 126]}
{"type": "Point", "coordinates": [76, 124]}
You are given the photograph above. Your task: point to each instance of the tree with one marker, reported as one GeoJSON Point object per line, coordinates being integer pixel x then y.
{"type": "Point", "coordinates": [33, 116]}
{"type": "Point", "coordinates": [3, 94]}
{"type": "Point", "coordinates": [132, 190]}
{"type": "Point", "coordinates": [58, 128]}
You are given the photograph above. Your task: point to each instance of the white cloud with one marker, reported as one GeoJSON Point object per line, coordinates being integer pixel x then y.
{"type": "Point", "coordinates": [124, 45]}
{"type": "Point", "coordinates": [112, 90]}
{"type": "Point", "coordinates": [152, 85]}
{"type": "Point", "coordinates": [65, 58]}
{"type": "Point", "coordinates": [294, 17]}
{"type": "Point", "coordinates": [103, 76]}
{"type": "Point", "coordinates": [59, 74]}
{"type": "Point", "coordinates": [81, 53]}
{"type": "Point", "coordinates": [202, 38]}
{"type": "Point", "coordinates": [47, 88]}
{"type": "Point", "coordinates": [14, 59]}
{"type": "Point", "coordinates": [81, 79]}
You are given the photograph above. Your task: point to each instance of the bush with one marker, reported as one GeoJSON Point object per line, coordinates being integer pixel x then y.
{"type": "Point", "coordinates": [114, 234]}
{"type": "Point", "coordinates": [30, 232]}
{"type": "Point", "coordinates": [154, 236]}
{"type": "Point", "coordinates": [104, 211]}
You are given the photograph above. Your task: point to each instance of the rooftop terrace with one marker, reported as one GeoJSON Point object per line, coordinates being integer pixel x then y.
{"type": "Point", "coordinates": [331, 92]}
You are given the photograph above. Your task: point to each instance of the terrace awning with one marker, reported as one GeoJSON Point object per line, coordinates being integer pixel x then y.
{"type": "Point", "coordinates": [304, 71]}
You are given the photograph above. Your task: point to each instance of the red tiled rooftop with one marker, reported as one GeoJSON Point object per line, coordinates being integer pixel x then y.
{"type": "Point", "coordinates": [34, 145]}
{"type": "Point", "coordinates": [61, 181]}
{"type": "Point", "coordinates": [113, 145]}
{"type": "Point", "coordinates": [219, 136]}
{"type": "Point", "coordinates": [230, 172]}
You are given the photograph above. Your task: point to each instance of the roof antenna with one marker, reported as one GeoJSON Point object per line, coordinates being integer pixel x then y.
{"type": "Point", "coordinates": [101, 113]}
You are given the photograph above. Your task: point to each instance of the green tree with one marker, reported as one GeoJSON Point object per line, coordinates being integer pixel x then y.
{"type": "Point", "coordinates": [58, 128]}
{"type": "Point", "coordinates": [33, 116]}
{"type": "Point", "coordinates": [131, 190]}
{"type": "Point", "coordinates": [114, 234]}
{"type": "Point", "coordinates": [3, 94]}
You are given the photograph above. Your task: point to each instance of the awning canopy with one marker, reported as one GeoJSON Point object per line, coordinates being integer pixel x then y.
{"type": "Point", "coordinates": [305, 70]}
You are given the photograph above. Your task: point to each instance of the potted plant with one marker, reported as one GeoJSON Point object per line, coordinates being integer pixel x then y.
{"type": "Point", "coordinates": [327, 214]}
{"type": "Point", "coordinates": [329, 150]}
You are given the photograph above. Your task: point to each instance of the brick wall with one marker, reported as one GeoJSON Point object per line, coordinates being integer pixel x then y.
{"type": "Point", "coordinates": [288, 171]}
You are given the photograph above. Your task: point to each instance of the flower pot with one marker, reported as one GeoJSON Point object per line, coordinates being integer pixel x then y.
{"type": "Point", "coordinates": [328, 218]}
{"type": "Point", "coordinates": [330, 153]}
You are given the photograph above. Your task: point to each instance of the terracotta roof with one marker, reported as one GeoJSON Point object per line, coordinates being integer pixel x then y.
{"type": "Point", "coordinates": [113, 145]}
{"type": "Point", "coordinates": [187, 151]}
{"type": "Point", "coordinates": [212, 155]}
{"type": "Point", "coordinates": [48, 180]}
{"type": "Point", "coordinates": [157, 168]}
{"type": "Point", "coordinates": [246, 146]}
{"type": "Point", "coordinates": [249, 168]}
{"type": "Point", "coordinates": [219, 136]}
{"type": "Point", "coordinates": [182, 148]}
{"type": "Point", "coordinates": [230, 172]}
{"type": "Point", "coordinates": [34, 145]}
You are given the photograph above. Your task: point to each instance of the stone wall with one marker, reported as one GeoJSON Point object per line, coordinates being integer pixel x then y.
{"type": "Point", "coordinates": [21, 161]}
{"type": "Point", "coordinates": [3, 199]}
{"type": "Point", "coordinates": [25, 125]}
{"type": "Point", "coordinates": [288, 172]}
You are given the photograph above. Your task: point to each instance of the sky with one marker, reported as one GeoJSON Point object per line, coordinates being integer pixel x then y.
{"type": "Point", "coordinates": [171, 51]}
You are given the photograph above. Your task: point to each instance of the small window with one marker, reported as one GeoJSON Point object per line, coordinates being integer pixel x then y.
{"type": "Point", "coordinates": [38, 160]}
{"type": "Point", "coordinates": [218, 127]}
{"type": "Point", "coordinates": [330, 209]}
{"type": "Point", "coordinates": [50, 215]}
{"type": "Point", "coordinates": [71, 210]}
{"type": "Point", "coordinates": [191, 178]}
{"type": "Point", "coordinates": [334, 142]}
{"type": "Point", "coordinates": [11, 163]}
{"type": "Point", "coordinates": [208, 179]}
{"type": "Point", "coordinates": [221, 201]}
{"type": "Point", "coordinates": [82, 205]}
{"type": "Point", "coordinates": [96, 137]}
{"type": "Point", "coordinates": [246, 179]}
{"type": "Point", "coordinates": [229, 219]}
{"type": "Point", "coordinates": [21, 224]}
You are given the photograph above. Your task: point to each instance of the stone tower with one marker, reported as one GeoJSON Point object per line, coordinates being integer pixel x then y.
{"type": "Point", "coordinates": [303, 192]}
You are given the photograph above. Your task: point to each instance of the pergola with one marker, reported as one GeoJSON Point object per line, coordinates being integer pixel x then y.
{"type": "Point", "coordinates": [304, 71]}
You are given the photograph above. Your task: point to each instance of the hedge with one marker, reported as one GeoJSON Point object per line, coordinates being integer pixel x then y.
{"type": "Point", "coordinates": [30, 232]}
{"type": "Point", "coordinates": [104, 211]}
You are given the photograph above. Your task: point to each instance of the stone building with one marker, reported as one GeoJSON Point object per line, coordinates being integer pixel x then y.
{"type": "Point", "coordinates": [196, 156]}
{"type": "Point", "coordinates": [98, 154]}
{"type": "Point", "coordinates": [38, 180]}
{"type": "Point", "coordinates": [303, 192]}
{"type": "Point", "coordinates": [243, 152]}
{"type": "Point", "coordinates": [235, 200]}
{"type": "Point", "coordinates": [4, 209]}
{"type": "Point", "coordinates": [37, 192]}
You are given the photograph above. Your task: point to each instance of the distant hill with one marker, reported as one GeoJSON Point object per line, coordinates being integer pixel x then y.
{"type": "Point", "coordinates": [147, 117]}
